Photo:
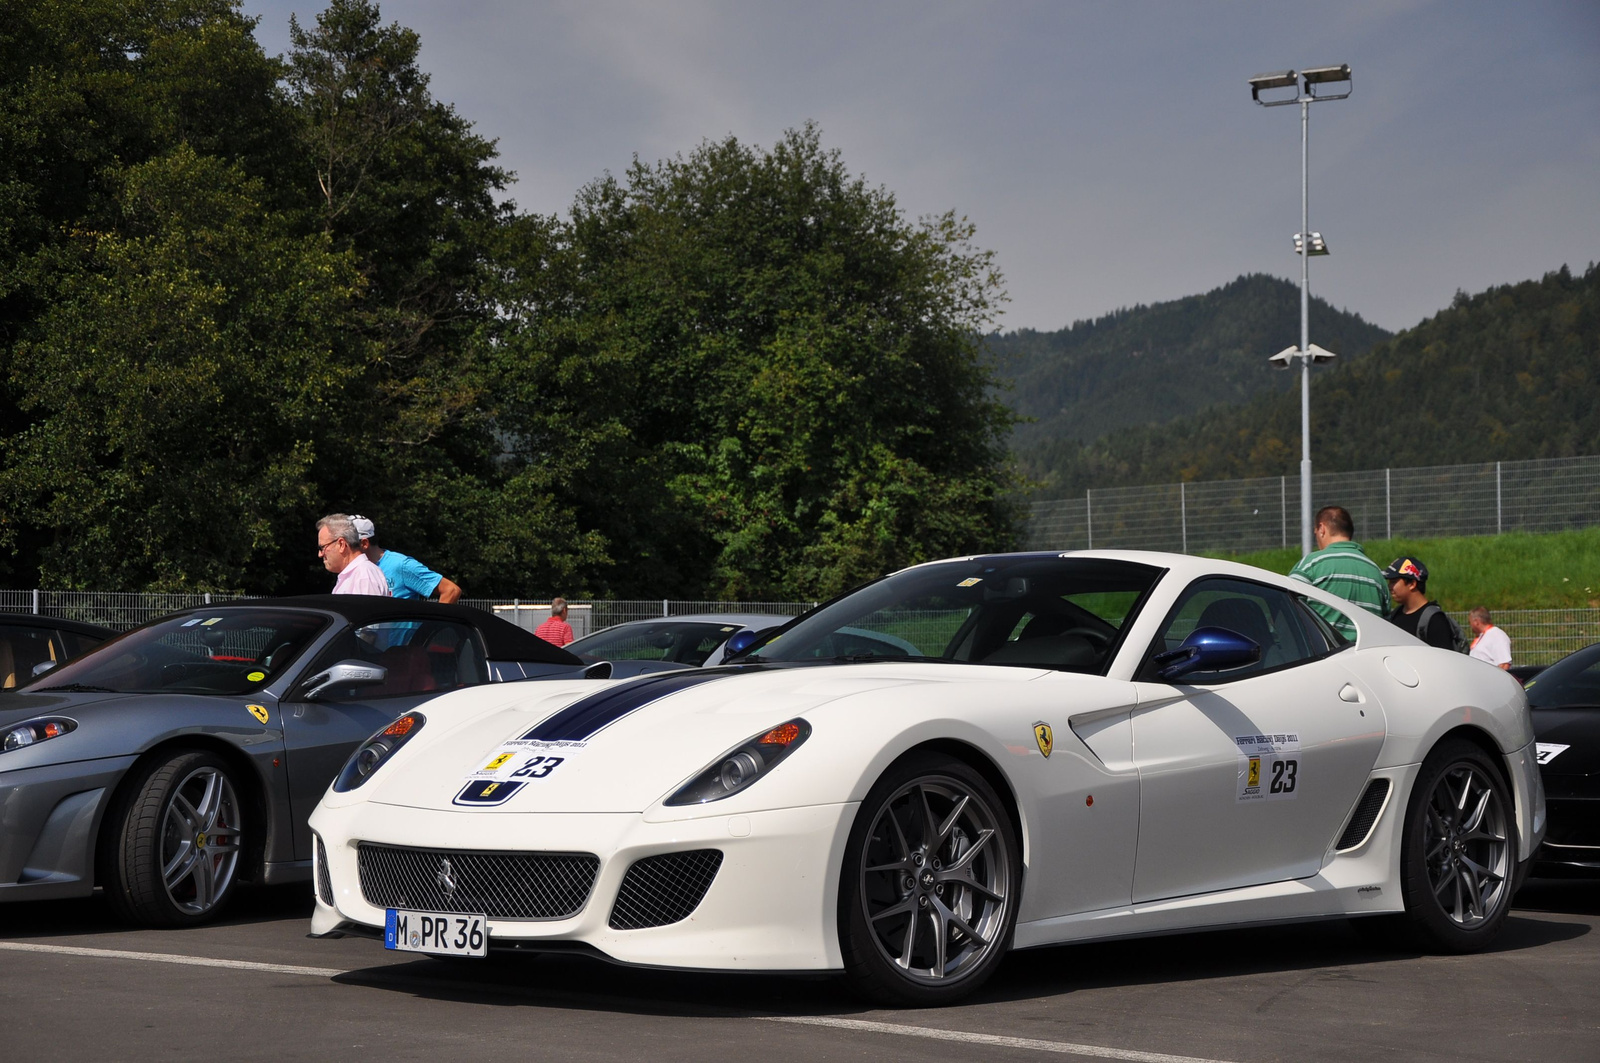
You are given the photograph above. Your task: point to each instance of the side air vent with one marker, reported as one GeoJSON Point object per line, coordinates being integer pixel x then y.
{"type": "Point", "coordinates": [664, 889]}
{"type": "Point", "coordinates": [324, 879]}
{"type": "Point", "coordinates": [1366, 814]}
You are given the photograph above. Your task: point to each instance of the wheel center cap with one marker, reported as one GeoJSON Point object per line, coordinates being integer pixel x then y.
{"type": "Point", "coordinates": [927, 880]}
{"type": "Point", "coordinates": [200, 840]}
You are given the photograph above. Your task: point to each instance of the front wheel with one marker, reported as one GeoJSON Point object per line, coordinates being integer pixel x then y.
{"type": "Point", "coordinates": [1458, 855]}
{"type": "Point", "coordinates": [930, 886]}
{"type": "Point", "coordinates": [171, 851]}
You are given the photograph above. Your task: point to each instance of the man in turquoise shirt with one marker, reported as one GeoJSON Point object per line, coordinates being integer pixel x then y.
{"type": "Point", "coordinates": [408, 577]}
{"type": "Point", "coordinates": [1338, 566]}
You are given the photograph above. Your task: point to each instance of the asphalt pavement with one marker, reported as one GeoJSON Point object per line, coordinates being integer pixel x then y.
{"type": "Point", "coordinates": [75, 985]}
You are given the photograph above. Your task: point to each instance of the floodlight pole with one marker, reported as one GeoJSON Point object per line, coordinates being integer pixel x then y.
{"type": "Point", "coordinates": [1305, 323]}
{"type": "Point", "coordinates": [1305, 85]}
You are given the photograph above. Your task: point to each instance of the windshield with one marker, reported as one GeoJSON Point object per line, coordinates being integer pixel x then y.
{"type": "Point", "coordinates": [233, 652]}
{"type": "Point", "coordinates": [678, 641]}
{"type": "Point", "coordinates": [1027, 610]}
{"type": "Point", "coordinates": [1573, 680]}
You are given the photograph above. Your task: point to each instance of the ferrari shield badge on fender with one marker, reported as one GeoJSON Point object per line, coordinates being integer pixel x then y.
{"type": "Point", "coordinates": [259, 712]}
{"type": "Point", "coordinates": [1042, 735]}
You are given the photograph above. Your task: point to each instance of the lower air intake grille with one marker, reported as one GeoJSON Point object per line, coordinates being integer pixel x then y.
{"type": "Point", "coordinates": [324, 879]}
{"type": "Point", "coordinates": [1366, 815]}
{"type": "Point", "coordinates": [498, 885]}
{"type": "Point", "coordinates": [664, 889]}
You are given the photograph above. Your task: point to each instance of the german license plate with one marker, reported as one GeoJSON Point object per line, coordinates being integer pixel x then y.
{"type": "Point", "coordinates": [439, 933]}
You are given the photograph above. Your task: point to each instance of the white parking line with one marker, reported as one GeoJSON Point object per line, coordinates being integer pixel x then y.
{"type": "Point", "coordinates": [167, 957]}
{"type": "Point", "coordinates": [1032, 1044]}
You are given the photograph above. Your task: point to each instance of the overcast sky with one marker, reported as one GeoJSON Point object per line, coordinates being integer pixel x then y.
{"type": "Point", "coordinates": [1108, 152]}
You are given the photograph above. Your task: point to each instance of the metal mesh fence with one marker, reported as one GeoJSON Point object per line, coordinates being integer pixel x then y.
{"type": "Point", "coordinates": [1237, 516]}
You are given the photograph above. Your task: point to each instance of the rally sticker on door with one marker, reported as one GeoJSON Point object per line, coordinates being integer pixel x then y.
{"type": "Point", "coordinates": [510, 767]}
{"type": "Point", "coordinates": [1269, 766]}
{"type": "Point", "coordinates": [1545, 752]}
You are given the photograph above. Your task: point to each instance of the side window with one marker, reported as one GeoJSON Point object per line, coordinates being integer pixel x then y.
{"type": "Point", "coordinates": [77, 645]}
{"type": "Point", "coordinates": [22, 649]}
{"type": "Point", "coordinates": [1265, 615]}
{"type": "Point", "coordinates": [420, 657]}
{"type": "Point", "coordinates": [1320, 627]}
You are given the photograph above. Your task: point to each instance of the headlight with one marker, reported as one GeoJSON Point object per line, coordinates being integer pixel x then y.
{"type": "Point", "coordinates": [376, 751]}
{"type": "Point", "coordinates": [26, 734]}
{"type": "Point", "coordinates": [743, 764]}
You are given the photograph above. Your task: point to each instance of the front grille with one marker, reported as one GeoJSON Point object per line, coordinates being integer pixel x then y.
{"type": "Point", "coordinates": [664, 889]}
{"type": "Point", "coordinates": [498, 885]}
{"type": "Point", "coordinates": [1365, 816]}
{"type": "Point", "coordinates": [324, 879]}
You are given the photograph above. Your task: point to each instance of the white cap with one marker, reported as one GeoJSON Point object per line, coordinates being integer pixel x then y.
{"type": "Point", "coordinates": [364, 528]}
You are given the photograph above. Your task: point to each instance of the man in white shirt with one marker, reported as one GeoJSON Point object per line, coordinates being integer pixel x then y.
{"type": "Point", "coordinates": [1489, 643]}
{"type": "Point", "coordinates": [339, 546]}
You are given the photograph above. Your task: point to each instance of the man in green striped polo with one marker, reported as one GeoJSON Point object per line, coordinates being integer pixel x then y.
{"type": "Point", "coordinates": [1339, 567]}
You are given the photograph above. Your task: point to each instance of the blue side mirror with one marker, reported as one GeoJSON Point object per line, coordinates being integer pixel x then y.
{"type": "Point", "coordinates": [741, 641]}
{"type": "Point", "coordinates": [1207, 649]}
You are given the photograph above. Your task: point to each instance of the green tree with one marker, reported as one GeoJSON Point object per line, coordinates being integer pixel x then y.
{"type": "Point", "coordinates": [756, 377]}
{"type": "Point", "coordinates": [179, 387]}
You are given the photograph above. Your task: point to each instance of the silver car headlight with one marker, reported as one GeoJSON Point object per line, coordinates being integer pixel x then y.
{"type": "Point", "coordinates": [35, 731]}
{"type": "Point", "coordinates": [741, 766]}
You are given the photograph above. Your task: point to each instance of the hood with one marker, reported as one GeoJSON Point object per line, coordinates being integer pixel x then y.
{"type": "Point", "coordinates": [119, 725]}
{"type": "Point", "coordinates": [1578, 729]}
{"type": "Point", "coordinates": [25, 705]}
{"type": "Point", "coordinates": [625, 747]}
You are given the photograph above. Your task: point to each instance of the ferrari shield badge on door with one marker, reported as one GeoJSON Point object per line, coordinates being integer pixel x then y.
{"type": "Point", "coordinates": [1041, 734]}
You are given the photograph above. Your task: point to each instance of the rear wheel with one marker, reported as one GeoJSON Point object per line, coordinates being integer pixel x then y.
{"type": "Point", "coordinates": [930, 884]}
{"type": "Point", "coordinates": [1458, 856]}
{"type": "Point", "coordinates": [171, 851]}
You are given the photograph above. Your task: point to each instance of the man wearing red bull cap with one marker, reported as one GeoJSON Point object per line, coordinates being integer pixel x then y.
{"type": "Point", "coordinates": [1413, 612]}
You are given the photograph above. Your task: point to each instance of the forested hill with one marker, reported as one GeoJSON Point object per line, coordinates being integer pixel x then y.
{"type": "Point", "coordinates": [1510, 373]}
{"type": "Point", "coordinates": [1153, 364]}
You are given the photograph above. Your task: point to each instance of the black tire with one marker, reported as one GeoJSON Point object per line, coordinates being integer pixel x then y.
{"type": "Point", "coordinates": [1458, 856]}
{"type": "Point", "coordinates": [172, 847]}
{"type": "Point", "coordinates": [927, 904]}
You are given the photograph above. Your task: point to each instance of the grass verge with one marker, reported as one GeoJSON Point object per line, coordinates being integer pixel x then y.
{"type": "Point", "coordinates": [1518, 570]}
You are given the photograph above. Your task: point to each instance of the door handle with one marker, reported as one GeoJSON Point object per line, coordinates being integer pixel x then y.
{"type": "Point", "coordinates": [1351, 694]}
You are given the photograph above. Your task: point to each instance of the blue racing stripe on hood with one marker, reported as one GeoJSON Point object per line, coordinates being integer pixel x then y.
{"type": "Point", "coordinates": [584, 717]}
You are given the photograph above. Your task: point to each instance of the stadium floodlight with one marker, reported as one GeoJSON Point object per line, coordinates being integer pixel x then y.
{"type": "Point", "coordinates": [1279, 79]}
{"type": "Point", "coordinates": [1311, 84]}
{"type": "Point", "coordinates": [1319, 246]}
{"type": "Point", "coordinates": [1285, 358]}
{"type": "Point", "coordinates": [1318, 76]}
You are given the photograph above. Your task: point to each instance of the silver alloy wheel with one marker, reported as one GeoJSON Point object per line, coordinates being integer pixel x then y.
{"type": "Point", "coordinates": [200, 840]}
{"type": "Point", "coordinates": [935, 879]}
{"type": "Point", "coordinates": [1466, 852]}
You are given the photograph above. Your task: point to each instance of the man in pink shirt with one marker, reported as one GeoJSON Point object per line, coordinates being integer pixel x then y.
{"type": "Point", "coordinates": [339, 546]}
{"type": "Point", "coordinates": [556, 630]}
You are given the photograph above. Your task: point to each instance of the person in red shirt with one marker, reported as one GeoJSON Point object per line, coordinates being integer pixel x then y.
{"type": "Point", "coordinates": [556, 630]}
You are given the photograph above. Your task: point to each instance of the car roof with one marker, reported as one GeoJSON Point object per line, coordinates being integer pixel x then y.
{"type": "Point", "coordinates": [503, 640]}
{"type": "Point", "coordinates": [747, 619]}
{"type": "Point", "coordinates": [56, 623]}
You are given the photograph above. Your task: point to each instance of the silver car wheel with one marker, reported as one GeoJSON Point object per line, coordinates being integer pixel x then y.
{"type": "Point", "coordinates": [935, 880]}
{"type": "Point", "coordinates": [1466, 849]}
{"type": "Point", "coordinates": [200, 840]}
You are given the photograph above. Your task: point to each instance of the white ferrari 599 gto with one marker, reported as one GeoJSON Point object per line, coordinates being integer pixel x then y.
{"type": "Point", "coordinates": [962, 758]}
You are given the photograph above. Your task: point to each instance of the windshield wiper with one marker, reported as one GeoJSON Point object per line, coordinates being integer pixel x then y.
{"type": "Point", "coordinates": [79, 688]}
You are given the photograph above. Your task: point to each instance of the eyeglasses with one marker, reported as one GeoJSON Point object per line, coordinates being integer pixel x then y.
{"type": "Point", "coordinates": [322, 547]}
